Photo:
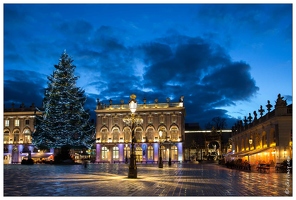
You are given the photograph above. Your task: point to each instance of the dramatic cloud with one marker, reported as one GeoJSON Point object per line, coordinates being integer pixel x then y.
{"type": "Point", "coordinates": [211, 54]}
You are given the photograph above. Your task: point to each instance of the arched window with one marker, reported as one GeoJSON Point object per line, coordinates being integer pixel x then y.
{"type": "Point", "coordinates": [127, 152]}
{"type": "Point", "coordinates": [150, 154]}
{"type": "Point", "coordinates": [174, 133]}
{"type": "Point", "coordinates": [104, 135]}
{"type": "Point", "coordinates": [115, 153]}
{"type": "Point", "coordinates": [6, 136]}
{"type": "Point", "coordinates": [138, 134]}
{"type": "Point", "coordinates": [139, 154]}
{"type": "Point", "coordinates": [127, 134]}
{"type": "Point", "coordinates": [16, 136]}
{"type": "Point", "coordinates": [164, 134]}
{"type": "Point", "coordinates": [104, 153]}
{"type": "Point", "coordinates": [149, 135]}
{"type": "Point", "coordinates": [174, 153]}
{"type": "Point", "coordinates": [115, 135]}
{"type": "Point", "coordinates": [27, 136]}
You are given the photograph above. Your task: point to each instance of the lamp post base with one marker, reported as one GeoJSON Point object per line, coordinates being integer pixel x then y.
{"type": "Point", "coordinates": [170, 161]}
{"type": "Point", "coordinates": [132, 173]}
{"type": "Point", "coordinates": [160, 164]}
{"type": "Point", "coordinates": [132, 170]}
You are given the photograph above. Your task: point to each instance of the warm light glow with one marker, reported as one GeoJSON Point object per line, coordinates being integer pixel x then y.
{"type": "Point", "coordinates": [250, 141]}
{"type": "Point", "coordinates": [133, 103]}
{"type": "Point", "coordinates": [272, 144]}
{"type": "Point", "coordinates": [160, 134]}
{"type": "Point", "coordinates": [133, 106]}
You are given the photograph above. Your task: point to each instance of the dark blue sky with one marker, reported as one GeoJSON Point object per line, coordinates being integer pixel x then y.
{"type": "Point", "coordinates": [226, 59]}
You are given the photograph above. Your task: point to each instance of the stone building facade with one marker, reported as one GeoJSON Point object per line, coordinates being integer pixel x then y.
{"type": "Point", "coordinates": [18, 125]}
{"type": "Point", "coordinates": [267, 139]}
{"type": "Point", "coordinates": [114, 136]}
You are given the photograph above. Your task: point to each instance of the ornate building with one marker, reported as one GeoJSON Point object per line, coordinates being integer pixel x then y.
{"type": "Point", "coordinates": [114, 136]}
{"type": "Point", "coordinates": [267, 139]}
{"type": "Point", "coordinates": [17, 138]}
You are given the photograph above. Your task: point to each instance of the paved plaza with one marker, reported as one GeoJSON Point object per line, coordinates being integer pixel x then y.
{"type": "Point", "coordinates": [111, 180]}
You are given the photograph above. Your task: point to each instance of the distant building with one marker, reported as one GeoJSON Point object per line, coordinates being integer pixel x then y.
{"type": "Point", "coordinates": [17, 138]}
{"type": "Point", "coordinates": [114, 136]}
{"type": "Point", "coordinates": [205, 144]}
{"type": "Point", "coordinates": [266, 139]}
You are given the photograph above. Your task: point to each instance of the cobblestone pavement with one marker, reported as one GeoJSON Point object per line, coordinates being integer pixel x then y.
{"type": "Point", "coordinates": [111, 180]}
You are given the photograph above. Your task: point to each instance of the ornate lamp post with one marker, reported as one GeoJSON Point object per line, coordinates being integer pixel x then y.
{"type": "Point", "coordinates": [169, 142]}
{"type": "Point", "coordinates": [160, 163]}
{"type": "Point", "coordinates": [170, 159]}
{"type": "Point", "coordinates": [126, 161]}
{"type": "Point", "coordinates": [133, 121]}
{"type": "Point", "coordinates": [250, 142]}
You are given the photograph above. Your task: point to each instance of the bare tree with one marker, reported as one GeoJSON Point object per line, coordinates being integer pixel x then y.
{"type": "Point", "coordinates": [219, 123]}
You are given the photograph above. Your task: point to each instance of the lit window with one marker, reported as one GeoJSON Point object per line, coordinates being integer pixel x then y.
{"type": "Point", "coordinates": [139, 154]}
{"type": "Point", "coordinates": [104, 135]}
{"type": "Point", "coordinates": [138, 135]}
{"type": "Point", "coordinates": [7, 122]}
{"type": "Point", "coordinates": [27, 136]}
{"type": "Point", "coordinates": [104, 153]}
{"type": "Point", "coordinates": [150, 153]}
{"type": "Point", "coordinates": [115, 135]}
{"type": "Point", "coordinates": [17, 122]}
{"type": "Point", "coordinates": [16, 136]}
{"type": "Point", "coordinates": [174, 152]}
{"type": "Point", "coordinates": [115, 153]}
{"type": "Point", "coordinates": [6, 136]}
{"type": "Point", "coordinates": [127, 152]}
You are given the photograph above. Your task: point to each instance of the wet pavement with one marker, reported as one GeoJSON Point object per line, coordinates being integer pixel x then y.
{"type": "Point", "coordinates": [111, 180]}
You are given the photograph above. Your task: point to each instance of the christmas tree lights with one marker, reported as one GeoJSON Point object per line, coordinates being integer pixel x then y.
{"type": "Point", "coordinates": [64, 122]}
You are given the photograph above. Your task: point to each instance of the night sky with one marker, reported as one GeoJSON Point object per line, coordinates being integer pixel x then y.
{"type": "Point", "coordinates": [226, 59]}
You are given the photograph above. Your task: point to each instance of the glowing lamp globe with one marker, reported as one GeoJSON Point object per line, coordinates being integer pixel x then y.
{"type": "Point", "coordinates": [133, 103]}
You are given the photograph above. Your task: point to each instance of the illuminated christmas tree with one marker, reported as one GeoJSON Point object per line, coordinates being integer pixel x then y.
{"type": "Point", "coordinates": [65, 122]}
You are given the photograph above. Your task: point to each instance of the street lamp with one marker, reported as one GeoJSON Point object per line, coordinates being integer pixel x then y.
{"type": "Point", "coordinates": [250, 142]}
{"type": "Point", "coordinates": [133, 121]}
{"type": "Point", "coordinates": [170, 159]}
{"type": "Point", "coordinates": [160, 163]}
